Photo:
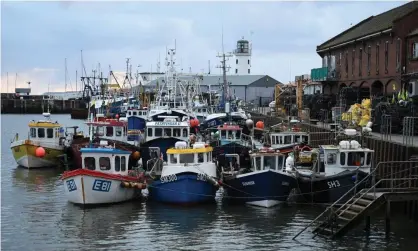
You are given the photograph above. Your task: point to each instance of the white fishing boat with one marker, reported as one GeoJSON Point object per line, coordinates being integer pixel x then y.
{"type": "Point", "coordinates": [104, 177]}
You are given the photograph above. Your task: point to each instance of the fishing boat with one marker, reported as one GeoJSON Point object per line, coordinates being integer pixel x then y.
{"type": "Point", "coordinates": [45, 143]}
{"type": "Point", "coordinates": [103, 177]}
{"type": "Point", "coordinates": [164, 135]}
{"type": "Point", "coordinates": [137, 119]}
{"type": "Point", "coordinates": [327, 173]}
{"type": "Point", "coordinates": [188, 177]}
{"type": "Point", "coordinates": [265, 183]}
{"type": "Point", "coordinates": [113, 131]}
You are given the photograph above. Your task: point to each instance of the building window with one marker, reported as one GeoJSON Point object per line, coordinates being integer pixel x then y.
{"type": "Point", "coordinates": [341, 56]}
{"type": "Point", "coordinates": [415, 50]}
{"type": "Point", "coordinates": [377, 58]}
{"type": "Point", "coordinates": [325, 61]}
{"type": "Point", "coordinates": [352, 61]}
{"type": "Point", "coordinates": [360, 61]}
{"type": "Point", "coordinates": [386, 56]}
{"type": "Point", "coordinates": [236, 61]}
{"type": "Point", "coordinates": [248, 61]}
{"type": "Point", "coordinates": [346, 63]}
{"type": "Point", "coordinates": [398, 54]}
{"type": "Point", "coordinates": [369, 56]}
{"type": "Point", "coordinates": [248, 71]}
{"type": "Point", "coordinates": [236, 71]}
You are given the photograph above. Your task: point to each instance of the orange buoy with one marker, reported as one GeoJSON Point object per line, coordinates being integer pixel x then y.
{"type": "Point", "coordinates": [194, 122]}
{"type": "Point", "coordinates": [259, 125]}
{"type": "Point", "coordinates": [40, 152]}
{"type": "Point", "coordinates": [136, 155]}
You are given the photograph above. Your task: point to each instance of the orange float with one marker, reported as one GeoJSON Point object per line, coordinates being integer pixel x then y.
{"type": "Point", "coordinates": [40, 152]}
{"type": "Point", "coordinates": [259, 125]}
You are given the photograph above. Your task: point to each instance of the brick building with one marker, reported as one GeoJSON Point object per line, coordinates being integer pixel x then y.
{"type": "Point", "coordinates": [373, 55]}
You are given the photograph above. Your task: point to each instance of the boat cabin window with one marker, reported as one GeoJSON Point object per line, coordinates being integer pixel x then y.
{"type": "Point", "coordinates": [186, 158]}
{"type": "Point", "coordinates": [355, 159]}
{"type": "Point", "coordinates": [200, 158]}
{"type": "Point", "coordinates": [176, 132]}
{"type": "Point", "coordinates": [149, 134]}
{"type": "Point", "coordinates": [104, 163]}
{"type": "Point", "coordinates": [288, 139]}
{"type": "Point", "coordinates": [185, 132]}
{"type": "Point", "coordinates": [89, 163]}
{"type": "Point", "coordinates": [167, 132]}
{"type": "Point", "coordinates": [331, 158]}
{"type": "Point", "coordinates": [134, 113]}
{"type": "Point", "coordinates": [99, 131]}
{"type": "Point", "coordinates": [123, 164]}
{"type": "Point", "coordinates": [305, 138]}
{"type": "Point", "coordinates": [342, 159]}
{"type": "Point", "coordinates": [257, 163]}
{"type": "Point", "coordinates": [109, 131]}
{"type": "Point", "coordinates": [117, 164]}
{"type": "Point", "coordinates": [172, 159]}
{"type": "Point", "coordinates": [129, 113]}
{"type": "Point", "coordinates": [269, 162]}
{"type": "Point", "coordinates": [125, 131]}
{"type": "Point", "coordinates": [118, 131]}
{"type": "Point", "coordinates": [158, 132]}
{"type": "Point", "coordinates": [50, 133]}
{"type": "Point", "coordinates": [33, 132]}
{"type": "Point", "coordinates": [280, 162]}
{"type": "Point", "coordinates": [368, 158]}
{"type": "Point", "coordinates": [41, 133]}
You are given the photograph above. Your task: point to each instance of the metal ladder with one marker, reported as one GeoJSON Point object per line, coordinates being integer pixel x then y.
{"type": "Point", "coordinates": [337, 220]}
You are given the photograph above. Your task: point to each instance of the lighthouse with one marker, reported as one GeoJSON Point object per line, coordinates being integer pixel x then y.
{"type": "Point", "coordinates": [243, 57]}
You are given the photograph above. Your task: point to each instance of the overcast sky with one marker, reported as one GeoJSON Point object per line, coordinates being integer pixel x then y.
{"type": "Point", "coordinates": [36, 37]}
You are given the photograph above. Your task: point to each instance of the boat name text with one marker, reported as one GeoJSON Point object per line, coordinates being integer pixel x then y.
{"type": "Point", "coordinates": [101, 185]}
{"type": "Point", "coordinates": [333, 184]}
{"type": "Point", "coordinates": [71, 185]}
{"type": "Point", "coordinates": [167, 123]}
{"type": "Point", "coordinates": [201, 176]}
{"type": "Point", "coordinates": [168, 178]}
{"type": "Point", "coordinates": [248, 183]}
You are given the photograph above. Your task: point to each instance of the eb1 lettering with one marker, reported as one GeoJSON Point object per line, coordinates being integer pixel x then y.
{"type": "Point", "coordinates": [101, 185]}
{"type": "Point", "coordinates": [71, 185]}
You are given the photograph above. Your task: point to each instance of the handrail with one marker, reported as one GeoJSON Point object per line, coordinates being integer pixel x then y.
{"type": "Point", "coordinates": [374, 188]}
{"type": "Point", "coordinates": [354, 187]}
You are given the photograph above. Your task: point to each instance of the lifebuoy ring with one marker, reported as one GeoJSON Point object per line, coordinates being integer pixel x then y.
{"type": "Point", "coordinates": [305, 148]}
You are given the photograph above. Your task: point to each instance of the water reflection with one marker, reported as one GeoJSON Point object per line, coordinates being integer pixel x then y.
{"type": "Point", "coordinates": [36, 180]}
{"type": "Point", "coordinates": [100, 226]}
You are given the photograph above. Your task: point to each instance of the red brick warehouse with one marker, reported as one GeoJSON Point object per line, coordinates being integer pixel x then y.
{"type": "Point", "coordinates": [373, 55]}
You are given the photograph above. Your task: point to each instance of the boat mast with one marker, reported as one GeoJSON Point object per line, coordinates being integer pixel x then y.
{"type": "Point", "coordinates": [224, 69]}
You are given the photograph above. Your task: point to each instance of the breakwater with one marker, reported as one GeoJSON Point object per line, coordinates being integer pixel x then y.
{"type": "Point", "coordinates": [37, 106]}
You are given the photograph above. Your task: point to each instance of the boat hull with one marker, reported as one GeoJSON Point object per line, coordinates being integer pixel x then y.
{"type": "Point", "coordinates": [186, 188]}
{"type": "Point", "coordinates": [85, 187]}
{"type": "Point", "coordinates": [25, 156]}
{"type": "Point", "coordinates": [265, 188]}
{"type": "Point", "coordinates": [329, 189]}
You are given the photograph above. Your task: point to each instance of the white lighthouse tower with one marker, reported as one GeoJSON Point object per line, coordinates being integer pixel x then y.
{"type": "Point", "coordinates": [243, 57]}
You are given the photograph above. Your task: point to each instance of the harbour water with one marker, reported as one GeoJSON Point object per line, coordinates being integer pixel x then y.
{"type": "Point", "coordinates": [36, 216]}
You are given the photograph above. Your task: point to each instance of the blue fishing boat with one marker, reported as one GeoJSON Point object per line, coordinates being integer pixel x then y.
{"type": "Point", "coordinates": [188, 177]}
{"type": "Point", "coordinates": [265, 183]}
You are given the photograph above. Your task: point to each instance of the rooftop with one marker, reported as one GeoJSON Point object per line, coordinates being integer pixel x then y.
{"type": "Point", "coordinates": [371, 25]}
{"type": "Point", "coordinates": [214, 80]}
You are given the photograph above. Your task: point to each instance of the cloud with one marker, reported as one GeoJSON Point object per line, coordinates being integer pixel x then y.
{"type": "Point", "coordinates": [37, 36]}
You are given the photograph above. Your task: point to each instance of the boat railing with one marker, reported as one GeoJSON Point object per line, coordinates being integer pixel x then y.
{"type": "Point", "coordinates": [372, 175]}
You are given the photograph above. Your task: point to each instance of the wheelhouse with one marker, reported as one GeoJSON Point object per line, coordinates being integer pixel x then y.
{"type": "Point", "coordinates": [110, 129]}
{"type": "Point", "coordinates": [267, 160]}
{"type": "Point", "coordinates": [348, 155]}
{"type": "Point", "coordinates": [169, 128]}
{"type": "Point", "coordinates": [280, 139]}
{"type": "Point", "coordinates": [182, 155]}
{"type": "Point", "coordinates": [46, 131]}
{"type": "Point", "coordinates": [105, 160]}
